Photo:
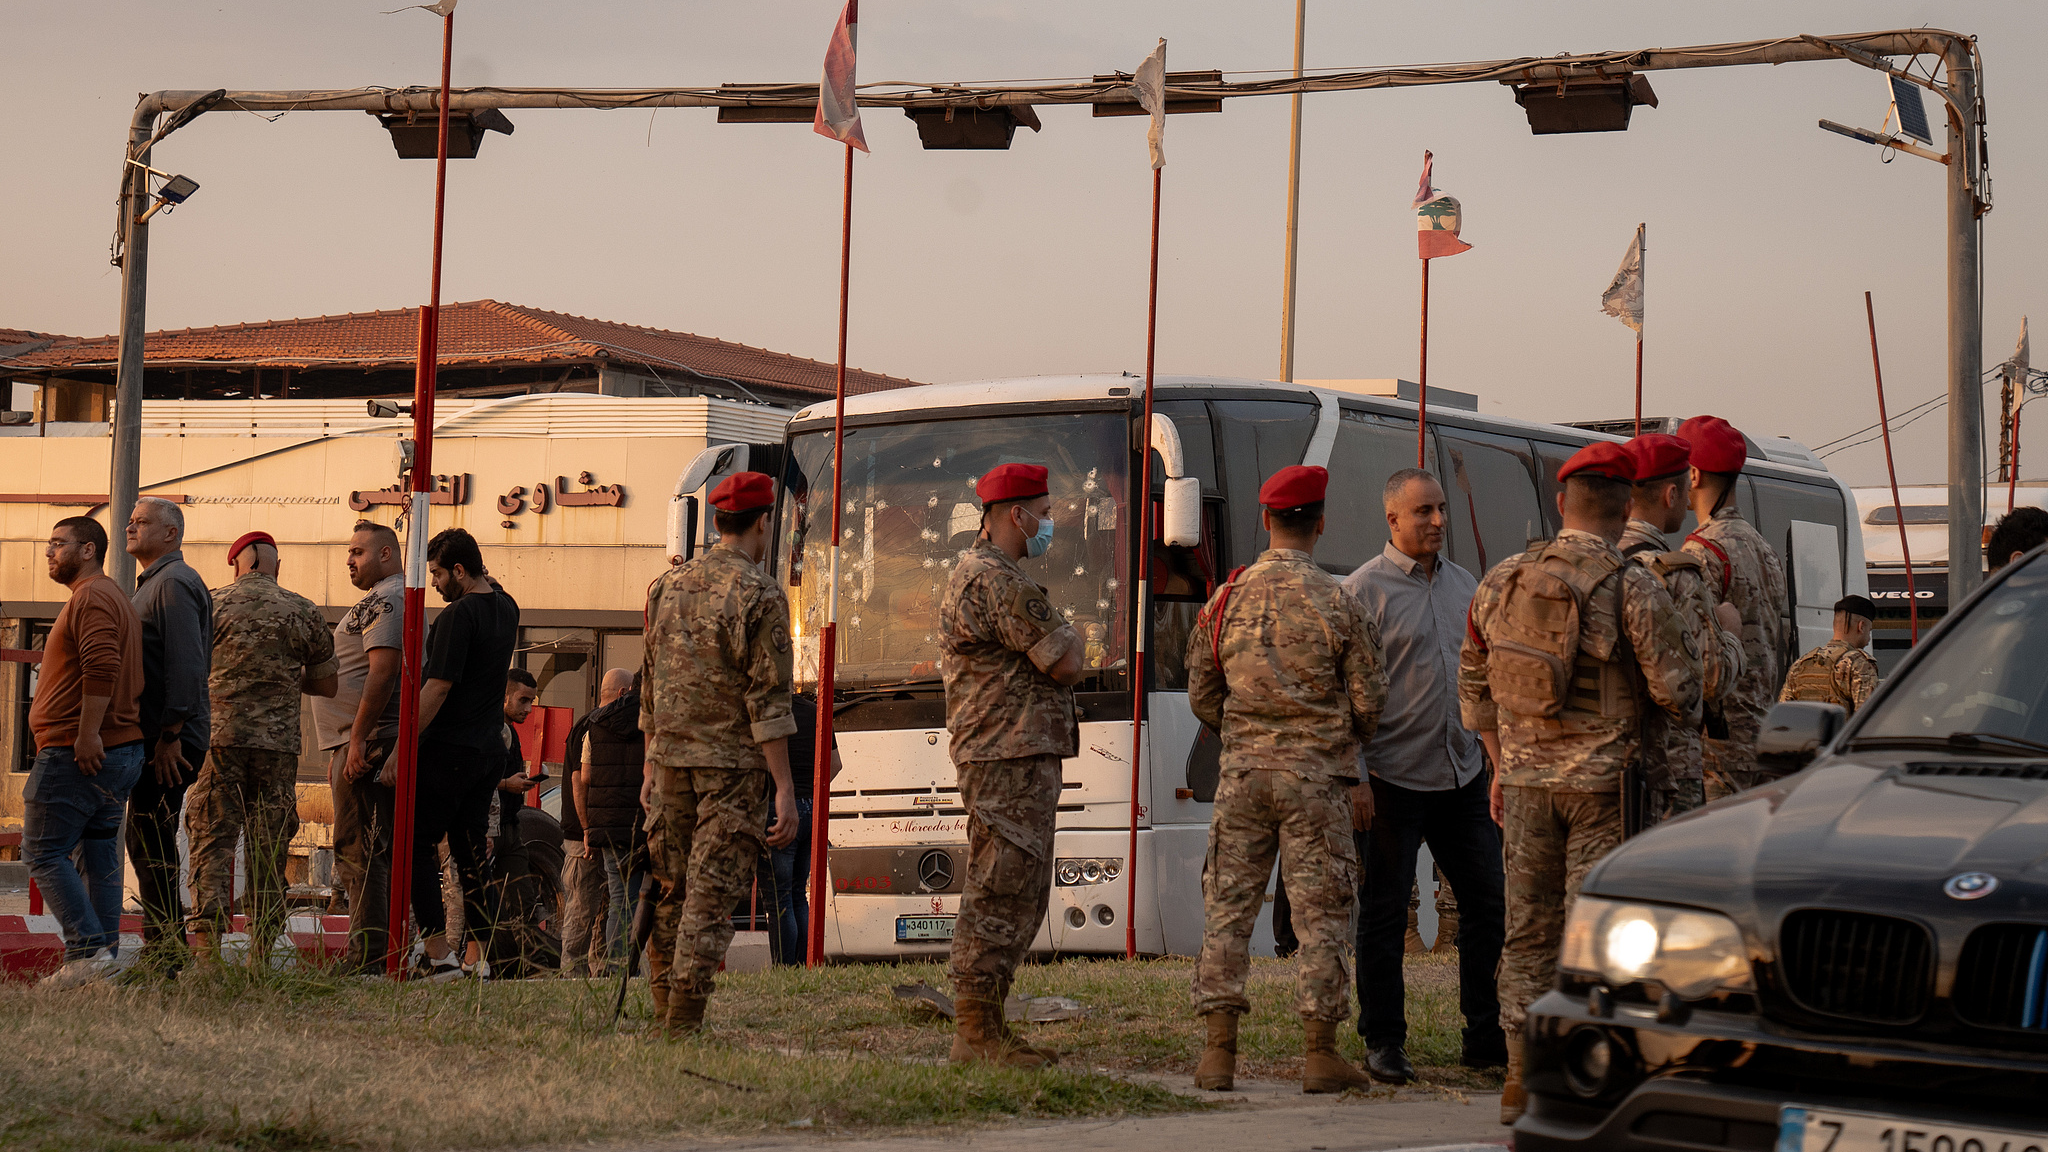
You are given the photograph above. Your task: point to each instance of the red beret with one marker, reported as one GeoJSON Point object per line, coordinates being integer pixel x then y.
{"type": "Point", "coordinates": [1011, 482]}
{"type": "Point", "coordinates": [1605, 459]}
{"type": "Point", "coordinates": [743, 492]}
{"type": "Point", "coordinates": [1716, 445]}
{"type": "Point", "coordinates": [1295, 485]}
{"type": "Point", "coordinates": [246, 539]}
{"type": "Point", "coordinates": [1657, 456]}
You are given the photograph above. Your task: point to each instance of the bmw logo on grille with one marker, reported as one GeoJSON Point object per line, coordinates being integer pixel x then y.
{"type": "Point", "coordinates": [1970, 885]}
{"type": "Point", "coordinates": [935, 870]}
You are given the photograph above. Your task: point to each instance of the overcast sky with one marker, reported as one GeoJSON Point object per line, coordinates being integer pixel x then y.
{"type": "Point", "coordinates": [1763, 231]}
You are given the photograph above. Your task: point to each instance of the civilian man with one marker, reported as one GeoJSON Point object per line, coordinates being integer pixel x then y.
{"type": "Point", "coordinates": [585, 910]}
{"type": "Point", "coordinates": [177, 654]}
{"type": "Point", "coordinates": [87, 724]}
{"type": "Point", "coordinates": [358, 727]}
{"type": "Point", "coordinates": [1429, 785]}
{"type": "Point", "coordinates": [784, 874]}
{"type": "Point", "coordinates": [270, 646]}
{"type": "Point", "coordinates": [2017, 533]}
{"type": "Point", "coordinates": [607, 787]}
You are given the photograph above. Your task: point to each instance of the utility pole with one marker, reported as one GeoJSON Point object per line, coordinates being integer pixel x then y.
{"type": "Point", "coordinates": [1293, 202]}
{"type": "Point", "coordinates": [125, 475]}
{"type": "Point", "coordinates": [1965, 332]}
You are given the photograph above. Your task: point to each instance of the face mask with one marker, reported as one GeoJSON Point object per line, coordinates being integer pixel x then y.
{"type": "Point", "coordinates": [1035, 545]}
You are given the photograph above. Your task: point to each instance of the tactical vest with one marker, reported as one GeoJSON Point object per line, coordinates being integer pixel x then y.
{"type": "Point", "coordinates": [1544, 654]}
{"type": "Point", "coordinates": [1662, 564]}
{"type": "Point", "coordinates": [1816, 676]}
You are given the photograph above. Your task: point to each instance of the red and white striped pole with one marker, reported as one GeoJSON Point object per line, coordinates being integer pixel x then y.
{"type": "Point", "coordinates": [416, 537]}
{"type": "Point", "coordinates": [1138, 602]}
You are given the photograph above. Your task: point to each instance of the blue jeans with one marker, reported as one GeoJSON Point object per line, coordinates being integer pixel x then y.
{"type": "Point", "coordinates": [624, 888]}
{"type": "Point", "coordinates": [66, 810]}
{"type": "Point", "coordinates": [785, 878]}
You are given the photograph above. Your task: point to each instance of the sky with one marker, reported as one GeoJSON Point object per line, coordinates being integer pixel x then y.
{"type": "Point", "coordinates": [1764, 231]}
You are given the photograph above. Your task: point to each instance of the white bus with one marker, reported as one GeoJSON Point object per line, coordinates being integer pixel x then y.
{"type": "Point", "coordinates": [1926, 515]}
{"type": "Point", "coordinates": [898, 833]}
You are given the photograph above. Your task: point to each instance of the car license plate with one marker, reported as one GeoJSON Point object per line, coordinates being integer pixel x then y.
{"type": "Point", "coordinates": [941, 928]}
{"type": "Point", "coordinates": [1826, 1130]}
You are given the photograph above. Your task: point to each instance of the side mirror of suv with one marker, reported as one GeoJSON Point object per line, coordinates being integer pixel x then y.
{"type": "Point", "coordinates": [1795, 731]}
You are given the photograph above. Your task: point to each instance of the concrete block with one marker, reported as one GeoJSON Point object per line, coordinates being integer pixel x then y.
{"type": "Point", "coordinates": [749, 953]}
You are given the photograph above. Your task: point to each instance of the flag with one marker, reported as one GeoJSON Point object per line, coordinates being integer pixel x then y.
{"type": "Point", "coordinates": [1623, 299]}
{"type": "Point", "coordinates": [2022, 357]}
{"type": "Point", "coordinates": [1149, 81]}
{"type": "Point", "coordinates": [838, 112]}
{"type": "Point", "coordinates": [1437, 219]}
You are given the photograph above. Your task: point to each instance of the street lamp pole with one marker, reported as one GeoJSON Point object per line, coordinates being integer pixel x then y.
{"type": "Point", "coordinates": [1965, 331]}
{"type": "Point", "coordinates": [125, 475]}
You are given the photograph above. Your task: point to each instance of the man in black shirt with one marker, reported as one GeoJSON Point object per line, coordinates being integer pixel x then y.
{"type": "Point", "coordinates": [462, 723]}
{"type": "Point", "coordinates": [784, 874]}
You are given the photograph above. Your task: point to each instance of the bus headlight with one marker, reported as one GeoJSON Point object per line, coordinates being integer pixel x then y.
{"type": "Point", "coordinates": [1087, 870]}
{"type": "Point", "coordinates": [1067, 872]}
{"type": "Point", "coordinates": [1689, 952]}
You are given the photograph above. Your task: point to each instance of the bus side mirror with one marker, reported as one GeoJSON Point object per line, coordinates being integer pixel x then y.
{"type": "Point", "coordinates": [1795, 731]}
{"type": "Point", "coordinates": [1180, 513]}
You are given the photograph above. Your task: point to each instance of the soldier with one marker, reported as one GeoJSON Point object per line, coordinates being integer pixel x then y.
{"type": "Point", "coordinates": [269, 646]}
{"type": "Point", "coordinates": [1841, 670]}
{"type": "Point", "coordinates": [1744, 571]}
{"type": "Point", "coordinates": [1286, 665]}
{"type": "Point", "coordinates": [1566, 647]}
{"type": "Point", "coordinates": [1009, 660]}
{"type": "Point", "coordinates": [1671, 760]}
{"type": "Point", "coordinates": [716, 713]}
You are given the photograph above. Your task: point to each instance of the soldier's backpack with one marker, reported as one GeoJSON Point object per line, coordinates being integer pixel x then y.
{"type": "Point", "coordinates": [1816, 676]}
{"type": "Point", "coordinates": [1534, 640]}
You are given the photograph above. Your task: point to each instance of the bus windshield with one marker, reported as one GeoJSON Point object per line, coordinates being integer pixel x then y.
{"type": "Point", "coordinates": [909, 510]}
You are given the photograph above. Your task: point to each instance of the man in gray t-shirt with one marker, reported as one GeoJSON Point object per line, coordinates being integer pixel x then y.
{"type": "Point", "coordinates": [358, 726]}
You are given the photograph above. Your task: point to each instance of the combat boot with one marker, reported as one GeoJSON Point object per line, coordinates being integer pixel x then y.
{"type": "Point", "coordinates": [1016, 1052]}
{"type": "Point", "coordinates": [685, 1016]}
{"type": "Point", "coordinates": [978, 1037]}
{"type": "Point", "coordinates": [1325, 1070]}
{"type": "Point", "coordinates": [660, 993]}
{"type": "Point", "coordinates": [1218, 1070]}
{"type": "Point", "coordinates": [1513, 1099]}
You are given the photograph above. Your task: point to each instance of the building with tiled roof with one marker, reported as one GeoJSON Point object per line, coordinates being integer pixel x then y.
{"type": "Point", "coordinates": [487, 348]}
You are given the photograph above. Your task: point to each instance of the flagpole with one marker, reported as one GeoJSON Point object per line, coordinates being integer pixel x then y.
{"type": "Point", "coordinates": [828, 640]}
{"type": "Point", "coordinates": [1139, 608]}
{"type": "Point", "coordinates": [1642, 262]}
{"type": "Point", "coordinates": [1293, 203]}
{"type": "Point", "coordinates": [1898, 513]}
{"type": "Point", "coordinates": [415, 615]}
{"type": "Point", "coordinates": [1422, 379]}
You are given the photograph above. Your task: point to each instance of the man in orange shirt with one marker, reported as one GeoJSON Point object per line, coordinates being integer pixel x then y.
{"type": "Point", "coordinates": [87, 724]}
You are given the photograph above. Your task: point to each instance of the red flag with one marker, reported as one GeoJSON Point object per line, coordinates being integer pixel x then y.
{"type": "Point", "coordinates": [838, 112]}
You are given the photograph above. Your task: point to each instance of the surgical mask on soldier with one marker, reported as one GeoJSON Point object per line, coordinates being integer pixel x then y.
{"type": "Point", "coordinates": [1035, 545]}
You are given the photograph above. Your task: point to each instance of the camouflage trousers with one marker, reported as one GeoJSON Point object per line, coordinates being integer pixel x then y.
{"type": "Point", "coordinates": [1011, 809]}
{"type": "Point", "coordinates": [242, 791]}
{"type": "Point", "coordinates": [706, 828]}
{"type": "Point", "coordinates": [1552, 839]}
{"type": "Point", "coordinates": [1682, 797]}
{"type": "Point", "coordinates": [1261, 814]}
{"type": "Point", "coordinates": [1731, 767]}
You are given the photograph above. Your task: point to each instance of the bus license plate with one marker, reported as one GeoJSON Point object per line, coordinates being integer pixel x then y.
{"type": "Point", "coordinates": [941, 928]}
{"type": "Point", "coordinates": [1826, 1130]}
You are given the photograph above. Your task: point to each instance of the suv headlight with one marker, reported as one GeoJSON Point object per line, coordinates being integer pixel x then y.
{"type": "Point", "coordinates": [1690, 952]}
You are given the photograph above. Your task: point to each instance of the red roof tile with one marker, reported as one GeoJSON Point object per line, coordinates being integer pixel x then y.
{"type": "Point", "coordinates": [475, 332]}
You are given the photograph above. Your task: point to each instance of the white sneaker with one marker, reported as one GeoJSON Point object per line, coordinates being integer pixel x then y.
{"type": "Point", "coordinates": [481, 970]}
{"type": "Point", "coordinates": [80, 972]}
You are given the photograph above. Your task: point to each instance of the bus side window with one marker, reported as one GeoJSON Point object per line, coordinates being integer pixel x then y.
{"type": "Point", "coordinates": [1259, 438]}
{"type": "Point", "coordinates": [1182, 581]}
{"type": "Point", "coordinates": [1549, 458]}
{"type": "Point", "coordinates": [1491, 488]}
{"type": "Point", "coordinates": [1369, 449]}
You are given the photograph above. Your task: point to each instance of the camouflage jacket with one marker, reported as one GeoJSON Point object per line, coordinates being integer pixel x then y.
{"type": "Point", "coordinates": [1672, 753]}
{"type": "Point", "coordinates": [1833, 673]}
{"type": "Point", "coordinates": [715, 677]}
{"type": "Point", "coordinates": [1578, 750]}
{"type": "Point", "coordinates": [266, 642]}
{"type": "Point", "coordinates": [1746, 572]}
{"type": "Point", "coordinates": [1288, 667]}
{"type": "Point", "coordinates": [997, 635]}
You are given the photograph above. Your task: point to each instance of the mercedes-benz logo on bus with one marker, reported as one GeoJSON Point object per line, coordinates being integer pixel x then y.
{"type": "Point", "coordinates": [935, 869]}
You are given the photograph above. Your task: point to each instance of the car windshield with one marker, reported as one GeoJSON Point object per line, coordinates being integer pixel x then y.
{"type": "Point", "coordinates": [1983, 678]}
{"type": "Point", "coordinates": [909, 510]}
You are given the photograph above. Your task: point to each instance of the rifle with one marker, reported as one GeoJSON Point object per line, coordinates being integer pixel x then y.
{"type": "Point", "coordinates": [643, 930]}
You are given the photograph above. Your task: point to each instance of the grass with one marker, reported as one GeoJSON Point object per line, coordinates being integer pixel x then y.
{"type": "Point", "coordinates": [303, 1060]}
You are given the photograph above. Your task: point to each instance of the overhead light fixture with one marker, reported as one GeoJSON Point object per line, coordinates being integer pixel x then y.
{"type": "Point", "coordinates": [1582, 104]}
{"type": "Point", "coordinates": [1907, 114]}
{"type": "Point", "coordinates": [416, 135]}
{"type": "Point", "coordinates": [1174, 104]}
{"type": "Point", "coordinates": [968, 127]}
{"type": "Point", "coordinates": [175, 190]}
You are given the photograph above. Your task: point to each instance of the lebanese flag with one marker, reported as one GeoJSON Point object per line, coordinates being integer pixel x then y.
{"type": "Point", "coordinates": [838, 113]}
{"type": "Point", "coordinates": [1438, 219]}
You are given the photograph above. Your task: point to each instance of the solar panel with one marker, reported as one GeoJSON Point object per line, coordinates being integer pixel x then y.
{"type": "Point", "coordinates": [1907, 112]}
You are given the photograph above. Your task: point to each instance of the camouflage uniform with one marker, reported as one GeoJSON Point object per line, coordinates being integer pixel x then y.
{"type": "Point", "coordinates": [1287, 666]}
{"type": "Point", "coordinates": [266, 643]}
{"type": "Point", "coordinates": [1833, 673]}
{"type": "Point", "coordinates": [1012, 725]}
{"type": "Point", "coordinates": [716, 687]}
{"type": "Point", "coordinates": [1671, 759]}
{"type": "Point", "coordinates": [1562, 775]}
{"type": "Point", "coordinates": [1746, 572]}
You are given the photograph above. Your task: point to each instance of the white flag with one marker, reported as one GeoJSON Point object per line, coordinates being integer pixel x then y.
{"type": "Point", "coordinates": [838, 114]}
{"type": "Point", "coordinates": [2021, 354]}
{"type": "Point", "coordinates": [1623, 299]}
{"type": "Point", "coordinates": [1150, 83]}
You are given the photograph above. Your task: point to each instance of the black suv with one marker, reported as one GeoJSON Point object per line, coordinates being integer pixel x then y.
{"type": "Point", "coordinates": [1851, 959]}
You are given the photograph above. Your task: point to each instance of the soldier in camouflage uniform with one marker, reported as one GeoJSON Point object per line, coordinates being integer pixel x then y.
{"type": "Point", "coordinates": [1841, 670]}
{"type": "Point", "coordinates": [269, 647]}
{"type": "Point", "coordinates": [1287, 666]}
{"type": "Point", "coordinates": [715, 709]}
{"type": "Point", "coordinates": [1743, 570]}
{"type": "Point", "coordinates": [1009, 660]}
{"type": "Point", "coordinates": [1566, 647]}
{"type": "Point", "coordinates": [1671, 759]}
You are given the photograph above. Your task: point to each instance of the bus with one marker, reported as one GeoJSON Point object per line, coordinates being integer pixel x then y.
{"type": "Point", "coordinates": [898, 831]}
{"type": "Point", "coordinates": [1925, 508]}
